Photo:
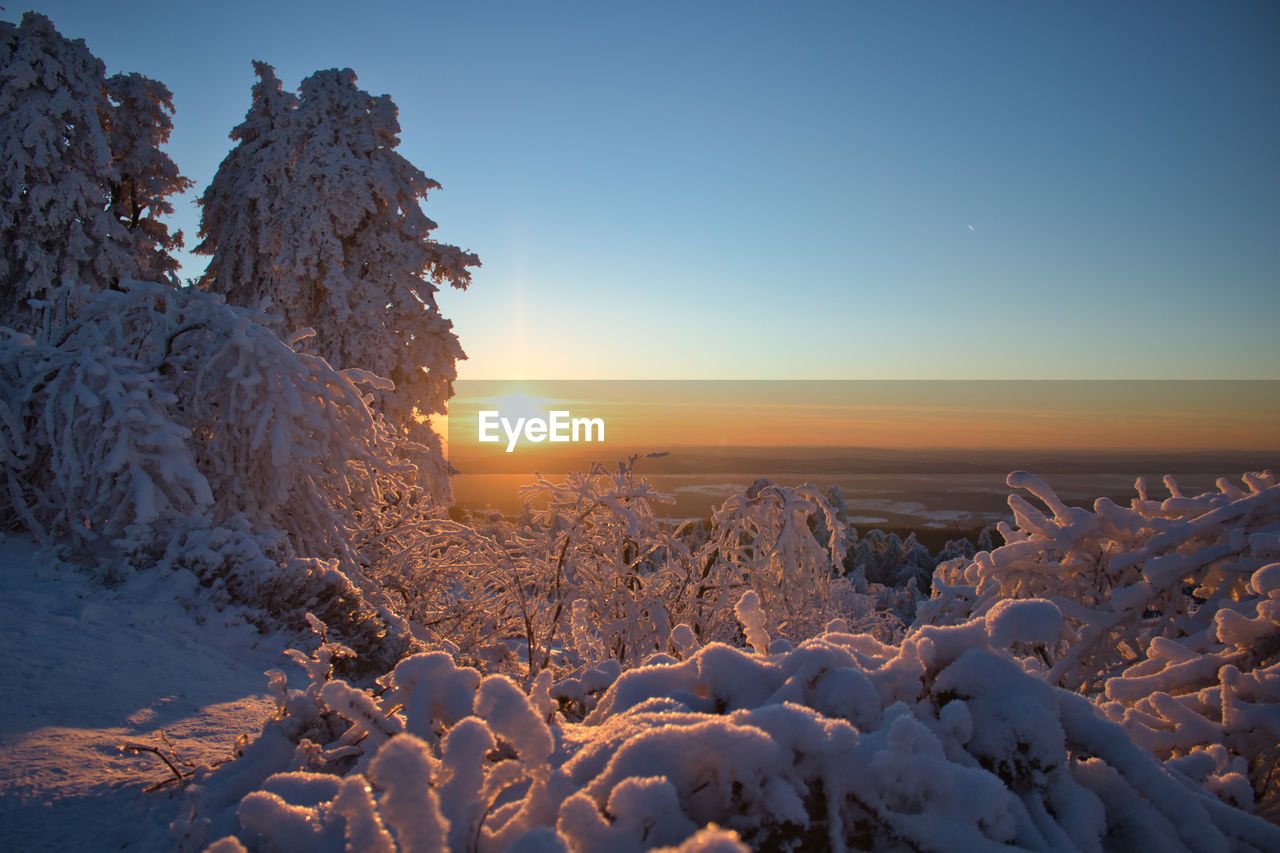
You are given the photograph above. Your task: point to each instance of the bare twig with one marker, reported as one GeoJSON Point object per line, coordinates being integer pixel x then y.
{"type": "Point", "coordinates": [178, 775]}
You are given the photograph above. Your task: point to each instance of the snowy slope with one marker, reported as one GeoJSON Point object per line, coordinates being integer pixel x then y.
{"type": "Point", "coordinates": [86, 669]}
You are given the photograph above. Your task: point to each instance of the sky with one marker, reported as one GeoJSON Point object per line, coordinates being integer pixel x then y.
{"type": "Point", "coordinates": [644, 416]}
{"type": "Point", "coordinates": [887, 190]}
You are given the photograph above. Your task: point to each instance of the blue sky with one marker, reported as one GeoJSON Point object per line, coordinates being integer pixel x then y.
{"type": "Point", "coordinates": [816, 190]}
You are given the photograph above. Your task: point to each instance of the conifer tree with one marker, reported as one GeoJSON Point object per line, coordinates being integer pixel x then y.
{"type": "Point", "coordinates": [138, 123]}
{"type": "Point", "coordinates": [82, 176]}
{"type": "Point", "coordinates": [315, 217]}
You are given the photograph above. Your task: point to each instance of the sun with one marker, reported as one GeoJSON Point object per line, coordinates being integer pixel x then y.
{"type": "Point", "coordinates": [459, 428]}
{"type": "Point", "coordinates": [521, 405]}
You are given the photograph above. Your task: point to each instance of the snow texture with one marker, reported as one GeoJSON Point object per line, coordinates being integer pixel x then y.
{"type": "Point", "coordinates": [958, 738]}
{"type": "Point", "coordinates": [150, 662]}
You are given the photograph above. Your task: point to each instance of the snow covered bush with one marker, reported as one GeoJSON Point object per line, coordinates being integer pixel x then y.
{"type": "Point", "coordinates": [273, 587]}
{"type": "Point", "coordinates": [1211, 700]}
{"type": "Point", "coordinates": [503, 594]}
{"type": "Point", "coordinates": [1170, 619]}
{"type": "Point", "coordinates": [588, 573]}
{"type": "Point", "coordinates": [161, 426]}
{"type": "Point", "coordinates": [314, 217]}
{"type": "Point", "coordinates": [764, 539]}
{"type": "Point", "coordinates": [945, 742]}
{"type": "Point", "coordinates": [156, 404]}
{"type": "Point", "coordinates": [90, 450]}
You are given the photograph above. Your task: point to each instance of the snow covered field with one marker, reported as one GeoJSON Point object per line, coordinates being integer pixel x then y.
{"type": "Point", "coordinates": [982, 728]}
{"type": "Point", "coordinates": [88, 669]}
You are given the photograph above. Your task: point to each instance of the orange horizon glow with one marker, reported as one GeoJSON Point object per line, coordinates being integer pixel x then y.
{"type": "Point", "coordinates": [1021, 416]}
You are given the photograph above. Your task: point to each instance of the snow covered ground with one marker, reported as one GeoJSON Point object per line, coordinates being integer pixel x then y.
{"type": "Point", "coordinates": [1007, 714]}
{"type": "Point", "coordinates": [87, 669]}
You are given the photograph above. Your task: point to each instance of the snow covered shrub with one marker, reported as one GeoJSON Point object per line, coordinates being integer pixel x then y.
{"type": "Point", "coordinates": [944, 743]}
{"type": "Point", "coordinates": [156, 404]}
{"type": "Point", "coordinates": [589, 573]}
{"type": "Point", "coordinates": [1211, 700]}
{"type": "Point", "coordinates": [90, 448]}
{"type": "Point", "coordinates": [602, 553]}
{"type": "Point", "coordinates": [590, 545]}
{"type": "Point", "coordinates": [256, 571]}
{"type": "Point", "coordinates": [1169, 617]}
{"type": "Point", "coordinates": [162, 427]}
{"type": "Point", "coordinates": [764, 539]}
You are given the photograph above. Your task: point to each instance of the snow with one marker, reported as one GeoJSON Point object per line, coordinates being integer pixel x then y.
{"type": "Point", "coordinates": [954, 737]}
{"type": "Point", "coordinates": [88, 669]}
{"type": "Point", "coordinates": [923, 744]}
{"type": "Point", "coordinates": [1028, 620]}
{"type": "Point", "coordinates": [753, 621]}
{"type": "Point", "coordinates": [582, 677]}
{"type": "Point", "coordinates": [1266, 580]}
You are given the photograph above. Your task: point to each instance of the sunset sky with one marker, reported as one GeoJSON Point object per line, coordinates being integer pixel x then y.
{"type": "Point", "coordinates": [819, 190]}
{"type": "Point", "coordinates": [643, 416]}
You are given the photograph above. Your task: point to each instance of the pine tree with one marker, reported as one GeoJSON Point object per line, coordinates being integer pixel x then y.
{"type": "Point", "coordinates": [238, 205]}
{"type": "Point", "coordinates": [144, 178]}
{"type": "Point", "coordinates": [55, 170]}
{"type": "Point", "coordinates": [315, 217]}
{"type": "Point", "coordinates": [81, 178]}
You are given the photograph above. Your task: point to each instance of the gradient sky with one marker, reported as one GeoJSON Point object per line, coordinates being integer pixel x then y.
{"type": "Point", "coordinates": [1017, 415]}
{"type": "Point", "coordinates": [818, 190]}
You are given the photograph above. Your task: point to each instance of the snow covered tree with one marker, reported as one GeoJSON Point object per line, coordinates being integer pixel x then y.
{"type": "Point", "coordinates": [138, 124]}
{"type": "Point", "coordinates": [315, 217]}
{"type": "Point", "coordinates": [55, 170]}
{"type": "Point", "coordinates": [237, 206]}
{"type": "Point", "coordinates": [82, 177]}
